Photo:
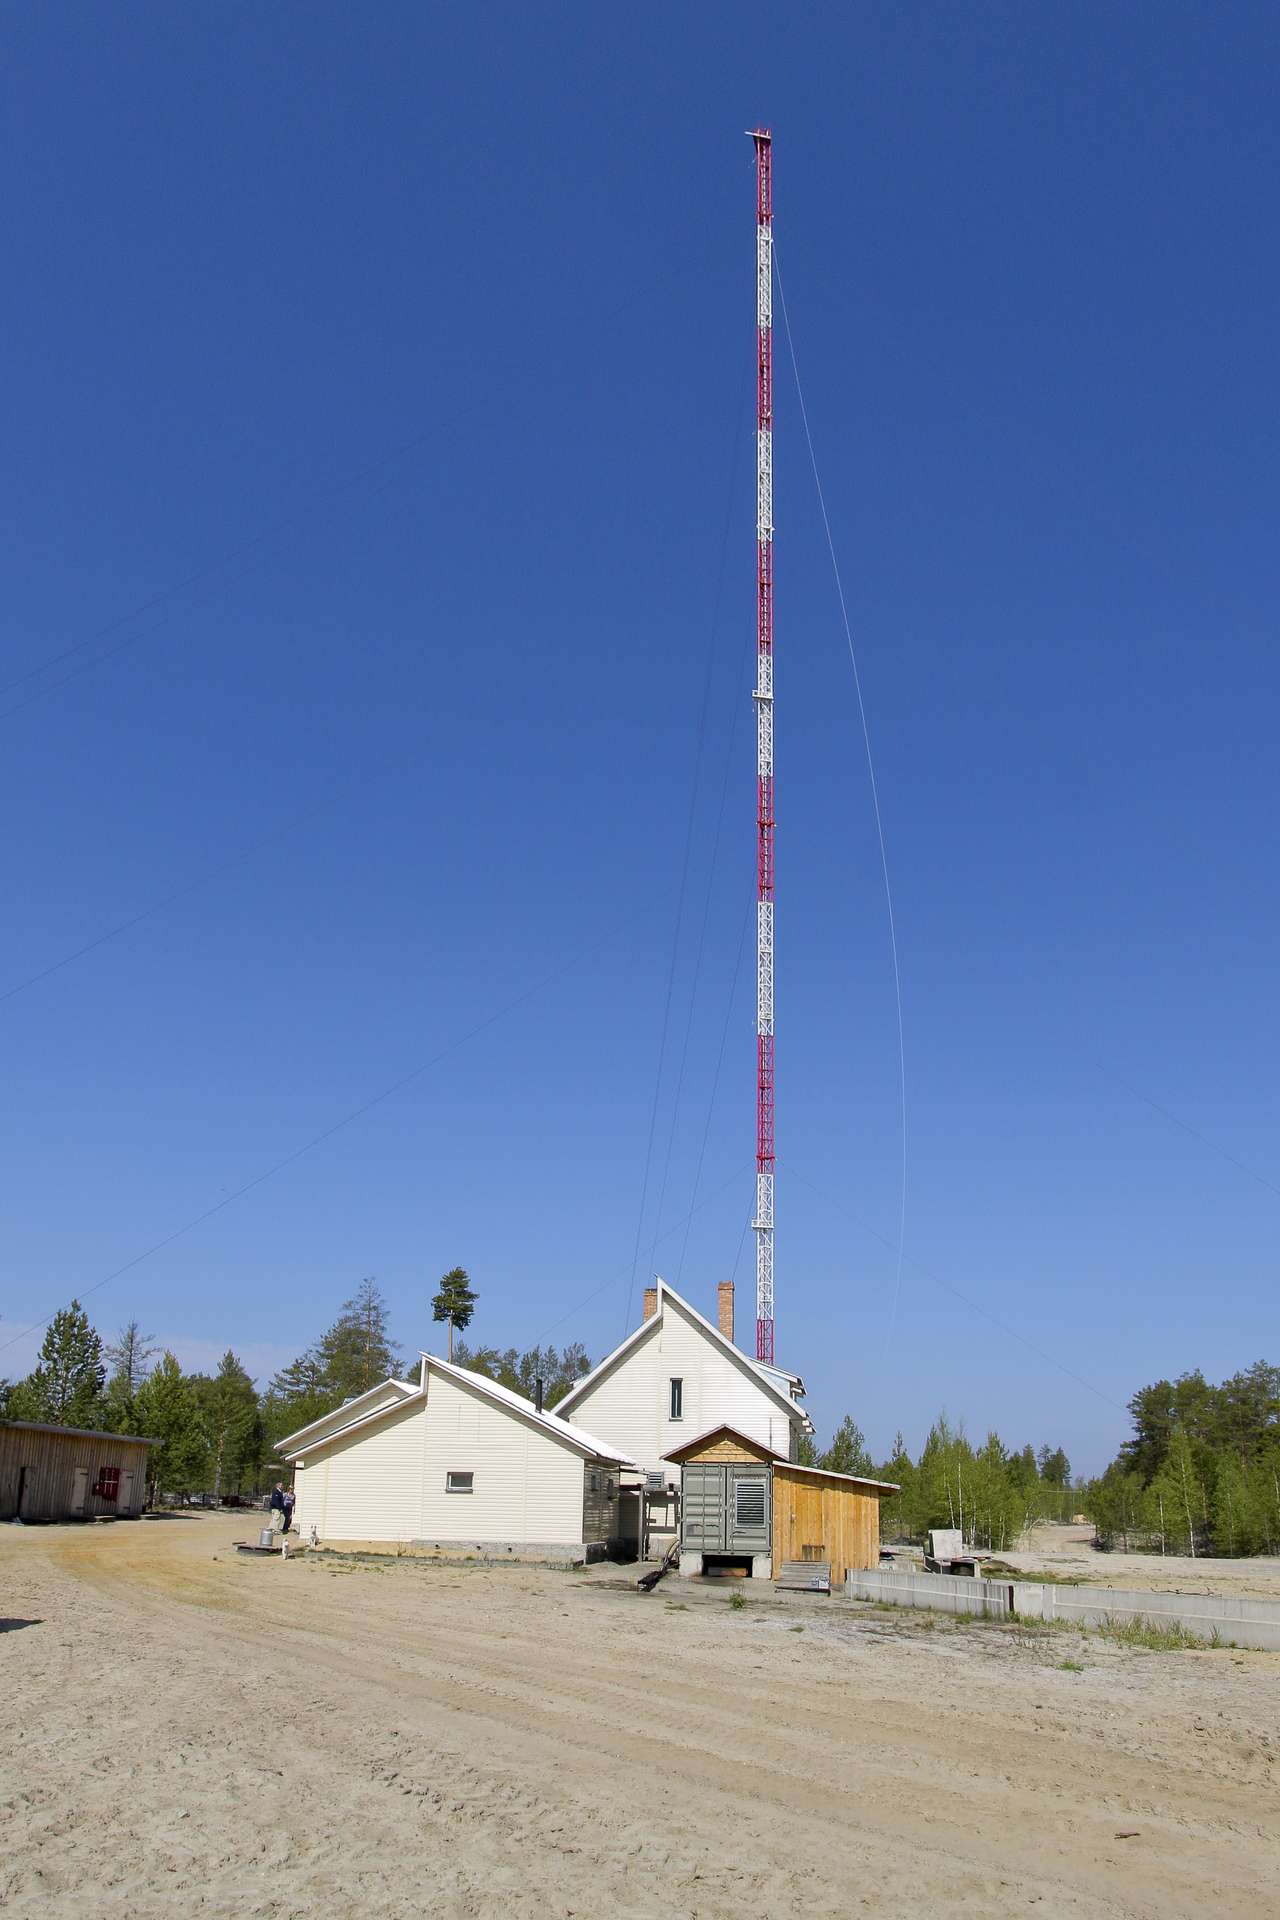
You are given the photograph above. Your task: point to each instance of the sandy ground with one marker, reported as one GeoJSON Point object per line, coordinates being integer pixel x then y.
{"type": "Point", "coordinates": [185, 1730]}
{"type": "Point", "coordinates": [1069, 1553]}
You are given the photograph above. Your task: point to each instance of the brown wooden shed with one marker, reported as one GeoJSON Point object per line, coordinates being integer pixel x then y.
{"type": "Point", "coordinates": [70, 1473]}
{"type": "Point", "coordinates": [741, 1500]}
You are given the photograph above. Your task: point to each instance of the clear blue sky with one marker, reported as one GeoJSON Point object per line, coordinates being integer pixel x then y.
{"type": "Point", "coordinates": [404, 352]}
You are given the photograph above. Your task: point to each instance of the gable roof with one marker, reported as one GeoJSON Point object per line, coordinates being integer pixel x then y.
{"type": "Point", "coordinates": [586, 1443]}
{"type": "Point", "coordinates": [681, 1454]}
{"type": "Point", "coordinates": [80, 1433]}
{"type": "Point", "coordinates": [357, 1411]}
{"type": "Point", "coordinates": [771, 1453]}
{"type": "Point", "coordinates": [321, 1432]}
{"type": "Point", "coordinates": [758, 1372]}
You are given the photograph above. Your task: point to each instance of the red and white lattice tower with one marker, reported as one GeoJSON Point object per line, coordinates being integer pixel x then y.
{"type": "Point", "coordinates": [763, 1221]}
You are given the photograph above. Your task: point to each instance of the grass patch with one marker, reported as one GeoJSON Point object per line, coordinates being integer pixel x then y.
{"type": "Point", "coordinates": [1155, 1636]}
{"type": "Point", "coordinates": [677, 1606]}
{"type": "Point", "coordinates": [1070, 1666]}
{"type": "Point", "coordinates": [737, 1601]}
{"type": "Point", "coordinates": [797, 1629]}
{"type": "Point", "coordinates": [1001, 1570]}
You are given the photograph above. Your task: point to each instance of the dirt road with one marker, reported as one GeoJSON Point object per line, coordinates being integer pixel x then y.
{"type": "Point", "coordinates": [188, 1731]}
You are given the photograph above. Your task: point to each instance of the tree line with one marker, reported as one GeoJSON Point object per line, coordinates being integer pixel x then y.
{"type": "Point", "coordinates": [991, 1493]}
{"type": "Point", "coordinates": [217, 1431]}
{"type": "Point", "coordinates": [1201, 1473]}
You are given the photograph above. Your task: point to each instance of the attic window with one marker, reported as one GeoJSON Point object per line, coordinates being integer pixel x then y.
{"type": "Point", "coordinates": [677, 1399]}
{"type": "Point", "coordinates": [459, 1483]}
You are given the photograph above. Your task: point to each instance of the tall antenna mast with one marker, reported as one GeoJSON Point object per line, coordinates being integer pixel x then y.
{"type": "Point", "coordinates": [763, 696]}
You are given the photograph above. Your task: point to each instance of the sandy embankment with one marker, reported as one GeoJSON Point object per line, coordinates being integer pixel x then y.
{"type": "Point", "coordinates": [187, 1731]}
{"type": "Point", "coordinates": [1069, 1553]}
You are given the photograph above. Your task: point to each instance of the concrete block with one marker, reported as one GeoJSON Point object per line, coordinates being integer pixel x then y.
{"type": "Point", "coordinates": [762, 1566]}
{"type": "Point", "coordinates": [690, 1565]}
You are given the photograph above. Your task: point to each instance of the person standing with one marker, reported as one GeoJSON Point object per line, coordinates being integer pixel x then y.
{"type": "Point", "coordinates": [289, 1498]}
{"type": "Point", "coordinates": [278, 1520]}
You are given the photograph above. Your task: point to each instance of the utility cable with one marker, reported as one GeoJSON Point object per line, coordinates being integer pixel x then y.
{"type": "Point", "coordinates": [1250, 1173]}
{"type": "Point", "coordinates": [724, 791]}
{"type": "Point", "coordinates": [170, 899]}
{"type": "Point", "coordinates": [875, 801]}
{"type": "Point", "coordinates": [671, 970]}
{"type": "Point", "coordinates": [616, 1279]}
{"type": "Point", "coordinates": [327, 1133]}
{"type": "Point", "coordinates": [243, 549]}
{"type": "Point", "coordinates": [747, 918]}
{"type": "Point", "coordinates": [946, 1286]}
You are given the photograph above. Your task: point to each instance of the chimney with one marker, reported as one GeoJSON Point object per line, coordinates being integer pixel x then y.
{"type": "Point", "coordinates": [537, 1392]}
{"type": "Point", "coordinates": [650, 1302]}
{"type": "Point", "coordinates": [724, 1302]}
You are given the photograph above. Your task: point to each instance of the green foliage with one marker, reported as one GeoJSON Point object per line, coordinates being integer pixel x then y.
{"type": "Point", "coordinates": [806, 1451]}
{"type": "Point", "coordinates": [168, 1410]}
{"type": "Point", "coordinates": [233, 1425]}
{"type": "Point", "coordinates": [848, 1451]}
{"type": "Point", "coordinates": [455, 1302]}
{"type": "Point", "coordinates": [297, 1395]}
{"type": "Point", "coordinates": [1201, 1473]}
{"type": "Point", "coordinates": [991, 1494]}
{"type": "Point", "coordinates": [65, 1386]}
{"type": "Point", "coordinates": [521, 1371]}
{"type": "Point", "coordinates": [357, 1351]}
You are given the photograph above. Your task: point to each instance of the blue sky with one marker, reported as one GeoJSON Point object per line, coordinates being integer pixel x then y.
{"type": "Point", "coordinates": [395, 365]}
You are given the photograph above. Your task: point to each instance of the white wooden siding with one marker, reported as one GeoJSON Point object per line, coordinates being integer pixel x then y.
{"type": "Point", "coordinates": [366, 1485]}
{"type": "Point", "coordinates": [630, 1406]}
{"type": "Point", "coordinates": [528, 1487]}
{"type": "Point", "coordinates": [386, 1481]}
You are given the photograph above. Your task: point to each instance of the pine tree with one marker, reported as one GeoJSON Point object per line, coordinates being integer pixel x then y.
{"type": "Point", "coordinates": [848, 1450]}
{"type": "Point", "coordinates": [65, 1386]}
{"type": "Point", "coordinates": [229, 1407]}
{"type": "Point", "coordinates": [455, 1302]}
{"type": "Point", "coordinates": [130, 1355]}
{"type": "Point", "coordinates": [167, 1410]}
{"type": "Point", "coordinates": [522, 1371]}
{"type": "Point", "coordinates": [357, 1351]}
{"type": "Point", "coordinates": [298, 1394]}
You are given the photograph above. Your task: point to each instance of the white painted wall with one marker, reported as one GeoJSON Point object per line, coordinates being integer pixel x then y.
{"type": "Point", "coordinates": [528, 1487]}
{"type": "Point", "coordinates": [629, 1407]}
{"type": "Point", "coordinates": [386, 1482]}
{"type": "Point", "coordinates": [366, 1486]}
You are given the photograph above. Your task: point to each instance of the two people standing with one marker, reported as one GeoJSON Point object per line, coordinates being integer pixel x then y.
{"type": "Point", "coordinates": [282, 1499]}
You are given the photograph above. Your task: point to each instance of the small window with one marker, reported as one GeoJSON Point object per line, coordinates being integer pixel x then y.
{"type": "Point", "coordinates": [107, 1486]}
{"type": "Point", "coordinates": [459, 1483]}
{"type": "Point", "coordinates": [677, 1399]}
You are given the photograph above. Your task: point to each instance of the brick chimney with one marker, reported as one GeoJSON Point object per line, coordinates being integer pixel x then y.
{"type": "Point", "coordinates": [724, 1305]}
{"type": "Point", "coordinates": [650, 1302]}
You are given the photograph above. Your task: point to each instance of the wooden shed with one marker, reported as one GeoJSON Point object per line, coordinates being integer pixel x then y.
{"type": "Point", "coordinates": [741, 1501]}
{"type": "Point", "coordinates": [68, 1473]}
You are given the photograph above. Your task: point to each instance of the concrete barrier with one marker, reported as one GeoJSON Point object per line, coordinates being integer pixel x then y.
{"type": "Point", "coordinates": [1224, 1618]}
{"type": "Point", "coordinates": [1209, 1616]}
{"type": "Point", "coordinates": [940, 1592]}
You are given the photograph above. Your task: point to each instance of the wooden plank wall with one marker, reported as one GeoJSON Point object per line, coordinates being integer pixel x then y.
{"type": "Point", "coordinates": [737, 1452]}
{"type": "Point", "coordinates": [824, 1519]}
{"type": "Point", "coordinates": [51, 1460]}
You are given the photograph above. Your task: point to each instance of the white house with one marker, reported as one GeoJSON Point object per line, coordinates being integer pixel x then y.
{"type": "Point", "coordinates": [457, 1461]}
{"type": "Point", "coordinates": [678, 1375]}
